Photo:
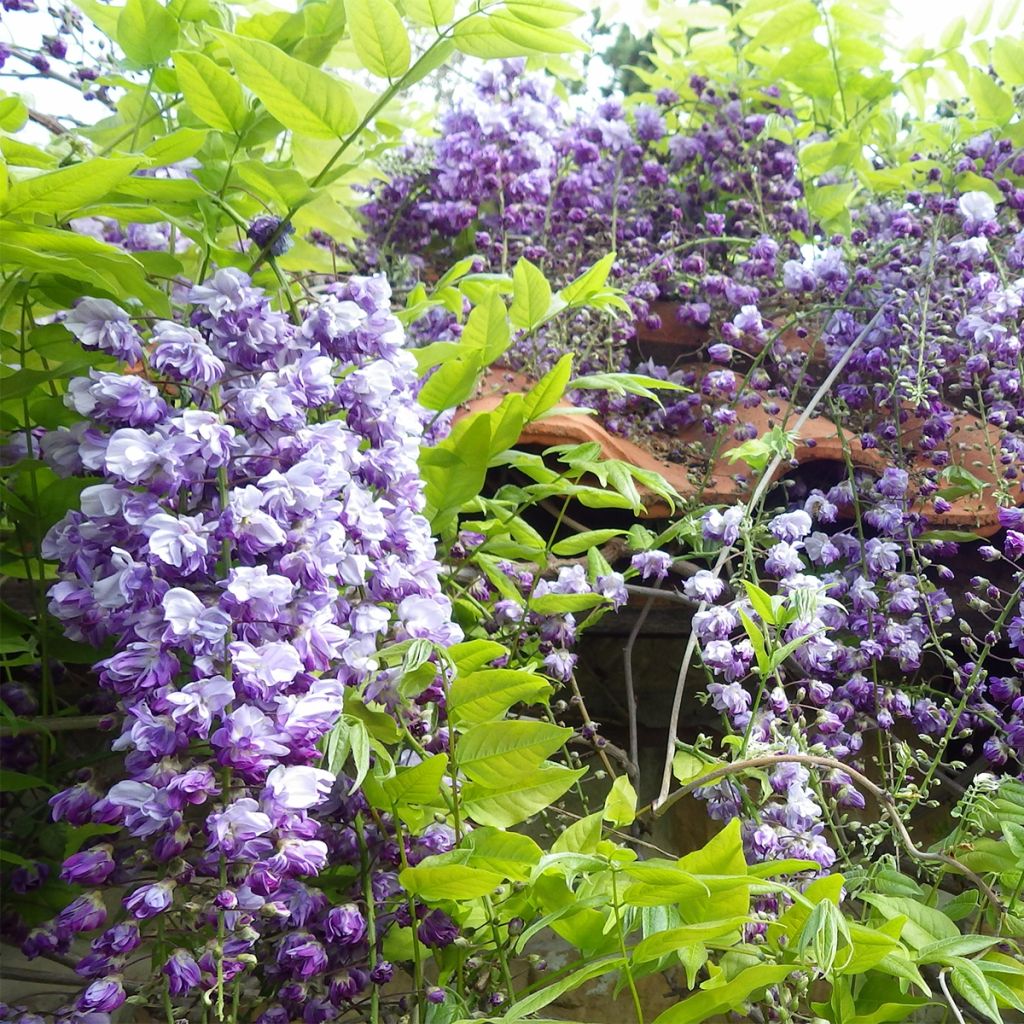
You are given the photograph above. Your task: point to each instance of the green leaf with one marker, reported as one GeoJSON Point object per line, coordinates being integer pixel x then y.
{"type": "Point", "coordinates": [379, 37]}
{"type": "Point", "coordinates": [146, 31]}
{"type": "Point", "coordinates": [13, 113]}
{"type": "Point", "coordinates": [485, 695]}
{"type": "Point", "coordinates": [559, 604]}
{"type": "Point", "coordinates": [972, 984]}
{"type": "Point", "coordinates": [721, 855]}
{"type": "Point", "coordinates": [211, 92]}
{"type": "Point", "coordinates": [538, 1000]}
{"type": "Point", "coordinates": [675, 939]}
{"type": "Point", "coordinates": [451, 384]}
{"type": "Point", "coordinates": [521, 798]}
{"type": "Point", "coordinates": [993, 104]}
{"type": "Point", "coordinates": [548, 391]}
{"type": "Point", "coordinates": [471, 655]}
{"type": "Point", "coordinates": [1008, 60]}
{"type": "Point", "coordinates": [579, 290]}
{"type": "Point", "coordinates": [581, 542]}
{"type": "Point", "coordinates": [761, 600]}
{"type": "Point", "coordinates": [418, 784]}
{"type": "Point", "coordinates": [757, 641]}
{"type": "Point", "coordinates": [102, 15]}
{"type": "Point", "coordinates": [620, 807]}
{"type": "Point", "coordinates": [359, 741]}
{"type": "Point", "coordinates": [531, 295]}
{"type": "Point", "coordinates": [494, 753]}
{"type": "Point", "coordinates": [179, 145]}
{"type": "Point", "coordinates": [70, 188]}
{"type": "Point", "coordinates": [726, 997]}
{"type": "Point", "coordinates": [17, 782]}
{"type": "Point", "coordinates": [543, 13]}
{"type": "Point", "coordinates": [580, 837]}
{"type": "Point", "coordinates": [449, 881]}
{"type": "Point", "coordinates": [486, 330]}
{"type": "Point", "coordinates": [945, 951]}
{"type": "Point", "coordinates": [687, 767]}
{"type": "Point", "coordinates": [925, 925]}
{"type": "Point", "coordinates": [303, 98]}
{"type": "Point", "coordinates": [659, 882]}
{"type": "Point", "coordinates": [510, 854]}
{"type": "Point", "coordinates": [432, 13]}
{"type": "Point", "coordinates": [531, 38]}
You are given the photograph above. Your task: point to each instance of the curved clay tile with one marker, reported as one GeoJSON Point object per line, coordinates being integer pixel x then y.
{"type": "Point", "coordinates": [819, 440]}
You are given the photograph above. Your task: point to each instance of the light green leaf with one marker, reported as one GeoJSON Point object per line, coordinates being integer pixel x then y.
{"type": "Point", "coordinates": [580, 837]}
{"type": "Point", "coordinates": [925, 925]}
{"type": "Point", "coordinates": [451, 384]}
{"type": "Point", "coordinates": [721, 855]}
{"type": "Point", "coordinates": [449, 881]}
{"type": "Point", "coordinates": [620, 807]}
{"type": "Point", "coordinates": [687, 767]}
{"type": "Point", "coordinates": [70, 188]}
{"type": "Point", "coordinates": [761, 600]}
{"type": "Point", "coordinates": [548, 391]}
{"type": "Point", "coordinates": [993, 103]}
{"type": "Point", "coordinates": [179, 145]}
{"type": "Point", "coordinates": [673, 940]}
{"type": "Point", "coordinates": [418, 784]}
{"type": "Point", "coordinates": [432, 13]}
{"type": "Point", "coordinates": [484, 695]}
{"type": "Point", "coordinates": [723, 998]}
{"type": "Point", "coordinates": [303, 98]}
{"type": "Point", "coordinates": [487, 331]}
{"type": "Point", "coordinates": [531, 295]}
{"type": "Point", "coordinates": [580, 542]}
{"type": "Point", "coordinates": [659, 882]}
{"type": "Point", "coordinates": [972, 984]}
{"type": "Point", "coordinates": [559, 604]}
{"type": "Point", "coordinates": [510, 854]}
{"type": "Point", "coordinates": [13, 113]}
{"type": "Point", "coordinates": [577, 291]}
{"type": "Point", "coordinates": [379, 37]}
{"type": "Point", "coordinates": [538, 1000]}
{"type": "Point", "coordinates": [521, 798]}
{"type": "Point", "coordinates": [531, 38]}
{"type": "Point", "coordinates": [211, 92]}
{"type": "Point", "coordinates": [146, 31]}
{"type": "Point", "coordinates": [495, 753]}
{"type": "Point", "coordinates": [471, 655]}
{"type": "Point", "coordinates": [543, 13]}
{"type": "Point", "coordinates": [946, 950]}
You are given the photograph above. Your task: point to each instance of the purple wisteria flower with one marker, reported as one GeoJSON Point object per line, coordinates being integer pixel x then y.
{"type": "Point", "coordinates": [257, 537]}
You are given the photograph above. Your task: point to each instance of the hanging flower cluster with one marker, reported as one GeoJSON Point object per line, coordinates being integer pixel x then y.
{"type": "Point", "coordinates": [255, 539]}
{"type": "Point", "coordinates": [701, 200]}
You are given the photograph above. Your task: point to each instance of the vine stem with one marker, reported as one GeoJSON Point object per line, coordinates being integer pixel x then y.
{"type": "Point", "coordinates": [949, 999]}
{"type": "Point", "coordinates": [371, 916]}
{"type": "Point", "coordinates": [886, 802]}
{"type": "Point", "coordinates": [637, 1008]}
{"type": "Point", "coordinates": [762, 486]}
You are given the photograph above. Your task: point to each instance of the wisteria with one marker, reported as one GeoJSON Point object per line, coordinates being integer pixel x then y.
{"type": "Point", "coordinates": [701, 204]}
{"type": "Point", "coordinates": [256, 539]}
{"type": "Point", "coordinates": [557, 555]}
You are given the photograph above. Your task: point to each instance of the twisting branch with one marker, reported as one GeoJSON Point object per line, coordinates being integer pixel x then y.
{"type": "Point", "coordinates": [884, 800]}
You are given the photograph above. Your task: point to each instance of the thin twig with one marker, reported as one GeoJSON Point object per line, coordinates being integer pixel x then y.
{"type": "Point", "coordinates": [51, 124]}
{"type": "Point", "coordinates": [885, 801]}
{"type": "Point", "coordinates": [627, 670]}
{"type": "Point", "coordinates": [762, 486]}
{"type": "Point", "coordinates": [949, 999]}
